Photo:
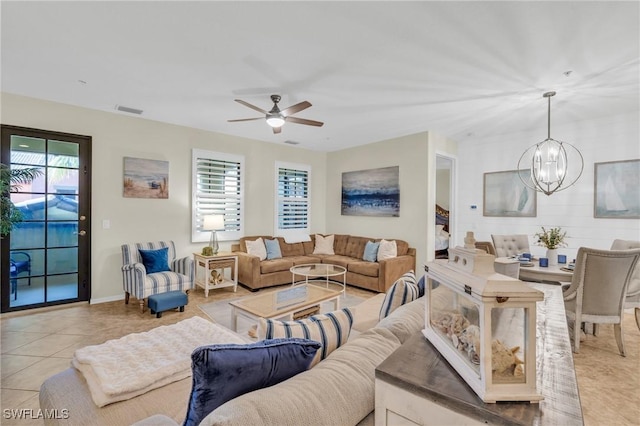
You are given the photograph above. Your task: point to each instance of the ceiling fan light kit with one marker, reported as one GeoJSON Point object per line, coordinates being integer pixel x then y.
{"type": "Point", "coordinates": [547, 162]}
{"type": "Point", "coordinates": [276, 118]}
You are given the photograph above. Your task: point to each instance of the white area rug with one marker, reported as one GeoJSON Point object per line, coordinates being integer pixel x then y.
{"type": "Point", "coordinates": [220, 311]}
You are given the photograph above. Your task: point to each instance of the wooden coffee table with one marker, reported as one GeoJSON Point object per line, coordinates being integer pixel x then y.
{"type": "Point", "coordinates": [282, 304]}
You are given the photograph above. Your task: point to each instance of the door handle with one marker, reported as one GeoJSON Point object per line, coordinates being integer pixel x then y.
{"type": "Point", "coordinates": [81, 233]}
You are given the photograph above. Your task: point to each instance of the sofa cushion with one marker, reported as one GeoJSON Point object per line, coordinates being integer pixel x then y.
{"type": "Point", "coordinates": [355, 246]}
{"type": "Point", "coordinates": [293, 249]}
{"type": "Point", "coordinates": [256, 248]}
{"type": "Point", "coordinates": [335, 259]}
{"type": "Point", "coordinates": [305, 260]}
{"type": "Point", "coordinates": [371, 251]}
{"type": "Point", "coordinates": [223, 372]}
{"type": "Point", "coordinates": [275, 265]}
{"type": "Point", "coordinates": [331, 330]}
{"type": "Point", "coordinates": [340, 244]}
{"type": "Point", "coordinates": [338, 391]}
{"type": "Point", "coordinates": [404, 290]}
{"type": "Point", "coordinates": [370, 269]}
{"type": "Point", "coordinates": [324, 245]}
{"type": "Point", "coordinates": [387, 249]}
{"type": "Point", "coordinates": [406, 320]}
{"type": "Point", "coordinates": [155, 260]}
{"type": "Point", "coordinates": [273, 249]}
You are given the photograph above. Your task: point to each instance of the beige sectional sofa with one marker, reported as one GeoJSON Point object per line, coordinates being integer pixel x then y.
{"type": "Point", "coordinates": [349, 250]}
{"type": "Point", "coordinates": [337, 391]}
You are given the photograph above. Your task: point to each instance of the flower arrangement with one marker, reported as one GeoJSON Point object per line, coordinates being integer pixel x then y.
{"type": "Point", "coordinates": [552, 238]}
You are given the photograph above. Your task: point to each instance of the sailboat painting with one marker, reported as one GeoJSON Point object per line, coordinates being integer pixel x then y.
{"type": "Point", "coordinates": [617, 189]}
{"type": "Point", "coordinates": [506, 195]}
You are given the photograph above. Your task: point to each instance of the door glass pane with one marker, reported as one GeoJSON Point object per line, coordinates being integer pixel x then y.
{"type": "Point", "coordinates": [62, 207]}
{"type": "Point", "coordinates": [60, 287]}
{"type": "Point", "coordinates": [27, 151]}
{"type": "Point", "coordinates": [62, 234]}
{"type": "Point", "coordinates": [60, 261]}
{"type": "Point", "coordinates": [27, 294]}
{"type": "Point", "coordinates": [26, 235]}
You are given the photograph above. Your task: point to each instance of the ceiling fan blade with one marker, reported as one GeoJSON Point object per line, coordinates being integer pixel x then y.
{"type": "Point", "coordinates": [247, 104]}
{"type": "Point", "coordinates": [277, 130]}
{"type": "Point", "coordinates": [304, 121]}
{"type": "Point", "coordinates": [296, 108]}
{"type": "Point", "coordinates": [246, 119]}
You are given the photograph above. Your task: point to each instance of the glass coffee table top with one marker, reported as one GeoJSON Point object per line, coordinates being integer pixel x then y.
{"type": "Point", "coordinates": [274, 304]}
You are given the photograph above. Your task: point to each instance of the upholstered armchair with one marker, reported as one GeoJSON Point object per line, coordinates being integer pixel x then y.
{"type": "Point", "coordinates": [598, 289]}
{"type": "Point", "coordinates": [632, 300]}
{"type": "Point", "coordinates": [510, 245]}
{"type": "Point", "coordinates": [176, 274]}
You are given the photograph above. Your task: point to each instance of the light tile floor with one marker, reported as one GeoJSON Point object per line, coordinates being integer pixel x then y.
{"type": "Point", "coordinates": [36, 345]}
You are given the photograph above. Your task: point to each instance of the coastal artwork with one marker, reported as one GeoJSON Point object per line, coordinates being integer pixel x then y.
{"type": "Point", "coordinates": [505, 195]}
{"type": "Point", "coordinates": [145, 178]}
{"type": "Point", "coordinates": [616, 189]}
{"type": "Point", "coordinates": [373, 192]}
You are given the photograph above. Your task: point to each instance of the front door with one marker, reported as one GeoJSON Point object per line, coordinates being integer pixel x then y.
{"type": "Point", "coordinates": [46, 257]}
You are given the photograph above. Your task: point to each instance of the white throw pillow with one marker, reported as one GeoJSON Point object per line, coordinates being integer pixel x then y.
{"type": "Point", "coordinates": [324, 245]}
{"type": "Point", "coordinates": [387, 250]}
{"type": "Point", "coordinates": [257, 248]}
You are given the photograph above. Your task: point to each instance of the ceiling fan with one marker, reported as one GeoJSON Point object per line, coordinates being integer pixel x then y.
{"type": "Point", "coordinates": [276, 117]}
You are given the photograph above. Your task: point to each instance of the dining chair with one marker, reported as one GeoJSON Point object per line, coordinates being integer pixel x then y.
{"type": "Point", "coordinates": [19, 262]}
{"type": "Point", "coordinates": [510, 245]}
{"type": "Point", "coordinates": [632, 300]}
{"type": "Point", "coordinates": [597, 290]}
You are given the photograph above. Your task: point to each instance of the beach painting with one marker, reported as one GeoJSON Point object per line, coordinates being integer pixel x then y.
{"type": "Point", "coordinates": [145, 178]}
{"type": "Point", "coordinates": [616, 189]}
{"type": "Point", "coordinates": [505, 195]}
{"type": "Point", "coordinates": [373, 192]}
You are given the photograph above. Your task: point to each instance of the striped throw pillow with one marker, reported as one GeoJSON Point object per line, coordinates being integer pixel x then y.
{"type": "Point", "coordinates": [404, 290]}
{"type": "Point", "coordinates": [331, 330]}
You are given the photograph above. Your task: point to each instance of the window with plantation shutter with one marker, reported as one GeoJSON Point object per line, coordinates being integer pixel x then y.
{"type": "Point", "coordinates": [217, 189]}
{"type": "Point", "coordinates": [292, 199]}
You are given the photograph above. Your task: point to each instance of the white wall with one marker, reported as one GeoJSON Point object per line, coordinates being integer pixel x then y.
{"type": "Point", "coordinates": [606, 139]}
{"type": "Point", "coordinates": [135, 220]}
{"type": "Point", "coordinates": [415, 155]}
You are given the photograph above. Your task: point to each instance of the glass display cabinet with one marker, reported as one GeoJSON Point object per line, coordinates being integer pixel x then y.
{"type": "Point", "coordinates": [484, 324]}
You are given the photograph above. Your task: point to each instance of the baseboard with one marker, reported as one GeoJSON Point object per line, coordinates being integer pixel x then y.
{"type": "Point", "coordinates": [106, 299]}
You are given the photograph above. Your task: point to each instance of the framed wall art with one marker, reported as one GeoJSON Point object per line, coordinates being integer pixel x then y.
{"type": "Point", "coordinates": [145, 178]}
{"type": "Point", "coordinates": [505, 195]}
{"type": "Point", "coordinates": [616, 193]}
{"type": "Point", "coordinates": [373, 192]}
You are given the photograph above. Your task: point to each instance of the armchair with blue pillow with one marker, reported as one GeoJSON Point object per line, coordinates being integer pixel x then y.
{"type": "Point", "coordinates": [152, 268]}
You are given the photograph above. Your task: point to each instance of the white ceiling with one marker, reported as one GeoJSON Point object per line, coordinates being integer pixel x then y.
{"type": "Point", "coordinates": [372, 70]}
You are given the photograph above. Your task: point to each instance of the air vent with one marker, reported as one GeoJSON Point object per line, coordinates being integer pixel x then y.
{"type": "Point", "coordinates": [129, 110]}
{"type": "Point", "coordinates": [292, 142]}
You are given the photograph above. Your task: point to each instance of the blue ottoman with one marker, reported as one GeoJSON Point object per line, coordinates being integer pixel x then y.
{"type": "Point", "coordinates": [158, 303]}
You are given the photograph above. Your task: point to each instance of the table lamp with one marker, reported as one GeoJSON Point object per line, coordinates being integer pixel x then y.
{"type": "Point", "coordinates": [213, 223]}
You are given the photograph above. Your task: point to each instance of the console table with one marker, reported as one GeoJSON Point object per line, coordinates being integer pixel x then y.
{"type": "Point", "coordinates": [416, 385]}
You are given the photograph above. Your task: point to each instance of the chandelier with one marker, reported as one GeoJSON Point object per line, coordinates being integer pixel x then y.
{"type": "Point", "coordinates": [545, 167]}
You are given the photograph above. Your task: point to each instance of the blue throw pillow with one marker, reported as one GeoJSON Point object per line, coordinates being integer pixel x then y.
{"type": "Point", "coordinates": [371, 251]}
{"type": "Point", "coordinates": [155, 260]}
{"type": "Point", "coordinates": [421, 286]}
{"type": "Point", "coordinates": [273, 249]}
{"type": "Point", "coordinates": [223, 372]}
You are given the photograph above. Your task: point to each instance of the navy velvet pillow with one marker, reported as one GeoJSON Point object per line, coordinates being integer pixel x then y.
{"type": "Point", "coordinates": [155, 260]}
{"type": "Point", "coordinates": [223, 372]}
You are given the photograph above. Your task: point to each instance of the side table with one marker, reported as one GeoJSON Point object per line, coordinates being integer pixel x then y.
{"type": "Point", "coordinates": [206, 264]}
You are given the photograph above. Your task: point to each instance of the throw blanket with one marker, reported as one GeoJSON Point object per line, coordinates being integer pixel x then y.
{"type": "Point", "coordinates": [123, 368]}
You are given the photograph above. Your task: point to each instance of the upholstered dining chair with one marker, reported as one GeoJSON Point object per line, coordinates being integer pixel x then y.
{"type": "Point", "coordinates": [157, 272]}
{"type": "Point", "coordinates": [510, 245]}
{"type": "Point", "coordinates": [486, 246]}
{"type": "Point", "coordinates": [19, 262]}
{"type": "Point", "coordinates": [597, 290]}
{"type": "Point", "coordinates": [632, 300]}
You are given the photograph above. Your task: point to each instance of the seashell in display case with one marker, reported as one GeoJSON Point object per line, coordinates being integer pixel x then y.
{"type": "Point", "coordinates": [484, 324]}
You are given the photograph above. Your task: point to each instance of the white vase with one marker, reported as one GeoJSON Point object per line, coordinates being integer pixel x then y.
{"type": "Point", "coordinates": [552, 255]}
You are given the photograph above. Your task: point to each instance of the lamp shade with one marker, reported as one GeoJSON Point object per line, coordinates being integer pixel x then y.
{"type": "Point", "coordinates": [213, 222]}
